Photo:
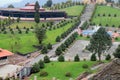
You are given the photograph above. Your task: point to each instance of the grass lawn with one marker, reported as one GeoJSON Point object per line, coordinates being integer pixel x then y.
{"type": "Point", "coordinates": [59, 69]}
{"type": "Point", "coordinates": [24, 42]}
{"type": "Point", "coordinates": [110, 20]}
{"type": "Point", "coordinates": [82, 38]}
{"type": "Point", "coordinates": [24, 24]}
{"type": "Point", "coordinates": [74, 10]}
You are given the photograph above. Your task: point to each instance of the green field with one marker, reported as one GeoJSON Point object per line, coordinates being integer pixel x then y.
{"type": "Point", "coordinates": [59, 69]}
{"type": "Point", "coordinates": [23, 43]}
{"type": "Point", "coordinates": [110, 20]}
{"type": "Point", "coordinates": [74, 10]}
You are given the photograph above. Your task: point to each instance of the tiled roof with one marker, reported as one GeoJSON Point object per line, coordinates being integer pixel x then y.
{"type": "Point", "coordinates": [4, 53]}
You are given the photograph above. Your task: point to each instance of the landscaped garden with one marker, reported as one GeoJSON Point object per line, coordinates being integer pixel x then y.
{"type": "Point", "coordinates": [106, 16]}
{"type": "Point", "coordinates": [61, 69]}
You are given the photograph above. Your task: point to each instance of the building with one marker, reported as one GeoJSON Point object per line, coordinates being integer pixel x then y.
{"type": "Point", "coordinates": [27, 13]}
{"type": "Point", "coordinates": [4, 55]}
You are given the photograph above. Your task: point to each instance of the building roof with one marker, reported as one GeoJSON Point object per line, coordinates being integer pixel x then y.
{"type": "Point", "coordinates": [4, 53]}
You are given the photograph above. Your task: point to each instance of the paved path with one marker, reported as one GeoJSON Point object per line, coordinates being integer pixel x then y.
{"type": "Point", "coordinates": [51, 53]}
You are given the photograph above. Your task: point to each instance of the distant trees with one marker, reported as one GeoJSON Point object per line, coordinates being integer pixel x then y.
{"type": "Point", "coordinates": [49, 3]}
{"type": "Point", "coordinates": [35, 68]}
{"type": "Point", "coordinates": [11, 6]}
{"type": "Point", "coordinates": [61, 58]}
{"type": "Point", "coordinates": [93, 57]}
{"type": "Point", "coordinates": [46, 59]}
{"type": "Point", "coordinates": [76, 58]}
{"type": "Point", "coordinates": [99, 42]}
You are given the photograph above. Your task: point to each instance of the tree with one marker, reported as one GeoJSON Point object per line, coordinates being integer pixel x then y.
{"type": "Point", "coordinates": [37, 15]}
{"type": "Point", "coordinates": [117, 52]}
{"type": "Point", "coordinates": [49, 3]}
{"type": "Point", "coordinates": [108, 57]}
{"type": "Point", "coordinates": [41, 64]}
{"type": "Point", "coordinates": [49, 46]}
{"type": "Point", "coordinates": [40, 34]}
{"type": "Point", "coordinates": [76, 58]}
{"type": "Point", "coordinates": [46, 59]}
{"type": "Point", "coordinates": [61, 58]}
{"type": "Point", "coordinates": [35, 68]}
{"type": "Point", "coordinates": [11, 6]}
{"type": "Point", "coordinates": [44, 50]}
{"type": "Point", "coordinates": [58, 39]}
{"type": "Point", "coordinates": [18, 19]}
{"type": "Point", "coordinates": [58, 51]}
{"type": "Point", "coordinates": [100, 42]}
{"type": "Point", "coordinates": [93, 57]}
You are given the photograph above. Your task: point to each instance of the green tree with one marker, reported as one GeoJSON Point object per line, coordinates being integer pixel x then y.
{"type": "Point", "coordinates": [58, 39]}
{"type": "Point", "coordinates": [99, 42]}
{"type": "Point", "coordinates": [76, 58]}
{"type": "Point", "coordinates": [40, 34]}
{"type": "Point", "coordinates": [117, 52]}
{"type": "Point", "coordinates": [11, 6]}
{"type": "Point", "coordinates": [35, 68]}
{"type": "Point", "coordinates": [108, 57]}
{"type": "Point", "coordinates": [49, 3]}
{"type": "Point", "coordinates": [37, 14]}
{"type": "Point", "coordinates": [44, 50]}
{"type": "Point", "coordinates": [46, 59]}
{"type": "Point", "coordinates": [61, 58]}
{"type": "Point", "coordinates": [49, 46]}
{"type": "Point", "coordinates": [93, 57]}
{"type": "Point", "coordinates": [58, 51]}
{"type": "Point", "coordinates": [18, 19]}
{"type": "Point", "coordinates": [41, 64]}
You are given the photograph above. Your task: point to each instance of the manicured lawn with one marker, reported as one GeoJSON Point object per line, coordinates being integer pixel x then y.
{"type": "Point", "coordinates": [25, 24]}
{"type": "Point", "coordinates": [82, 38]}
{"type": "Point", "coordinates": [74, 10]}
{"type": "Point", "coordinates": [59, 69]}
{"type": "Point", "coordinates": [23, 43]}
{"type": "Point", "coordinates": [110, 20]}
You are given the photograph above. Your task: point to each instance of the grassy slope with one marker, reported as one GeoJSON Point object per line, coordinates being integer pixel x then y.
{"type": "Point", "coordinates": [107, 20]}
{"type": "Point", "coordinates": [74, 10]}
{"type": "Point", "coordinates": [25, 41]}
{"type": "Point", "coordinates": [58, 69]}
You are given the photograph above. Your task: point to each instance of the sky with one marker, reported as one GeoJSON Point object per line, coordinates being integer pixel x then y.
{"type": "Point", "coordinates": [4, 2]}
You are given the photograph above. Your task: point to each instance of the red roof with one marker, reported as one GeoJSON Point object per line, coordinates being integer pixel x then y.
{"type": "Point", "coordinates": [4, 53]}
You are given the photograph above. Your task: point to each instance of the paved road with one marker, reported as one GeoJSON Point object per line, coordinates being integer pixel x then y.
{"type": "Point", "coordinates": [52, 52]}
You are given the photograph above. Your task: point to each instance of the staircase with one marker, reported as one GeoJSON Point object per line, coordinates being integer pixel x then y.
{"type": "Point", "coordinates": [88, 12]}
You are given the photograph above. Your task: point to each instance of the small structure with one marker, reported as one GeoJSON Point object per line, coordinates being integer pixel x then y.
{"type": "Point", "coordinates": [94, 1]}
{"type": "Point", "coordinates": [4, 54]}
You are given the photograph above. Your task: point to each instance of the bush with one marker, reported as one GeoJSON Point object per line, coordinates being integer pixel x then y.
{"type": "Point", "coordinates": [1, 78]}
{"type": "Point", "coordinates": [76, 58]}
{"type": "Point", "coordinates": [85, 66]}
{"type": "Point", "coordinates": [117, 52]}
{"type": "Point", "coordinates": [46, 59]}
{"type": "Point", "coordinates": [68, 74]}
{"type": "Point", "coordinates": [61, 58]}
{"type": "Point", "coordinates": [35, 68]}
{"type": "Point", "coordinates": [7, 78]}
{"type": "Point", "coordinates": [41, 64]}
{"type": "Point", "coordinates": [108, 57]}
{"type": "Point", "coordinates": [93, 57]}
{"type": "Point", "coordinates": [43, 73]}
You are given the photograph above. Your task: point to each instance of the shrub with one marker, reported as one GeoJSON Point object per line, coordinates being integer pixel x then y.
{"type": "Point", "coordinates": [108, 57]}
{"type": "Point", "coordinates": [43, 73]}
{"type": "Point", "coordinates": [68, 74]}
{"type": "Point", "coordinates": [35, 68]}
{"type": "Point", "coordinates": [41, 64]}
{"type": "Point", "coordinates": [1, 78]}
{"type": "Point", "coordinates": [61, 58]}
{"type": "Point", "coordinates": [85, 66]}
{"type": "Point", "coordinates": [46, 59]}
{"type": "Point", "coordinates": [117, 52]}
{"type": "Point", "coordinates": [76, 58]}
{"type": "Point", "coordinates": [7, 78]}
{"type": "Point", "coordinates": [93, 57]}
